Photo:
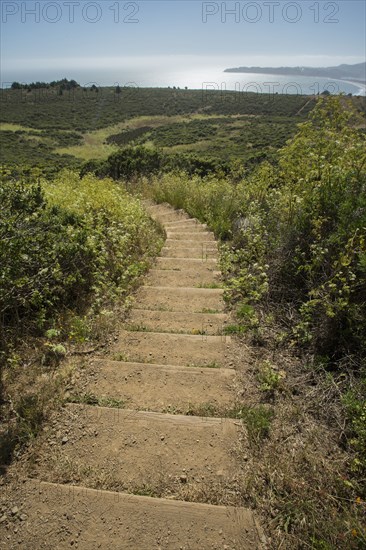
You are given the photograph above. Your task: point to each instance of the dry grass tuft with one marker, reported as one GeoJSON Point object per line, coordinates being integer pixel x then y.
{"type": "Point", "coordinates": [299, 477]}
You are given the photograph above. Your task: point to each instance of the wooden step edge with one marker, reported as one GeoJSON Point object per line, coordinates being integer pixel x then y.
{"type": "Point", "coordinates": [130, 415]}
{"type": "Point", "coordinates": [181, 289]}
{"type": "Point", "coordinates": [197, 370]}
{"type": "Point", "coordinates": [193, 241]}
{"type": "Point", "coordinates": [213, 316]}
{"type": "Point", "coordinates": [192, 234]}
{"type": "Point", "coordinates": [212, 338]}
{"type": "Point", "coordinates": [202, 252]}
{"type": "Point", "coordinates": [156, 270]}
{"type": "Point", "coordinates": [191, 221]}
{"type": "Point", "coordinates": [74, 490]}
{"type": "Point", "coordinates": [202, 260]}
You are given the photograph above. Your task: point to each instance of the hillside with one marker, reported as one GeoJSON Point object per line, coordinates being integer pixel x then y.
{"type": "Point", "coordinates": [40, 127]}
{"type": "Point", "coordinates": [182, 327]}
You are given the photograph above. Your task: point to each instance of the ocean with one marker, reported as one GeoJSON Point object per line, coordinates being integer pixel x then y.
{"type": "Point", "coordinates": [195, 77]}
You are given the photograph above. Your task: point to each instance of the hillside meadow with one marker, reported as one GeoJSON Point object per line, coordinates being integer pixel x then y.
{"type": "Point", "coordinates": [40, 127]}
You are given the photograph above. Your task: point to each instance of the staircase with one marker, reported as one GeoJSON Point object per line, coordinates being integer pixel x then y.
{"type": "Point", "coordinates": [153, 462]}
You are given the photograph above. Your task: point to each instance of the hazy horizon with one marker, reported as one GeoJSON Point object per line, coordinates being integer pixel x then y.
{"type": "Point", "coordinates": [180, 71]}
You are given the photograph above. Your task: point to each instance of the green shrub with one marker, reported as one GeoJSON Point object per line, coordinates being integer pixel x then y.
{"type": "Point", "coordinates": [131, 162]}
{"type": "Point", "coordinates": [119, 231]}
{"type": "Point", "coordinates": [44, 255]}
{"type": "Point", "coordinates": [257, 421]}
{"type": "Point", "coordinates": [321, 217]}
{"type": "Point", "coordinates": [211, 199]}
{"type": "Point", "coordinates": [66, 245]}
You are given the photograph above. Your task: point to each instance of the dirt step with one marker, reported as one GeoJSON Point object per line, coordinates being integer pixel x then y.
{"type": "Point", "coordinates": [136, 450]}
{"type": "Point", "coordinates": [202, 252]}
{"type": "Point", "coordinates": [198, 237]}
{"type": "Point", "coordinates": [185, 278]}
{"type": "Point", "coordinates": [95, 519]}
{"type": "Point", "coordinates": [167, 216]}
{"type": "Point", "coordinates": [164, 207]}
{"type": "Point", "coordinates": [171, 349]}
{"type": "Point", "coordinates": [190, 222]}
{"type": "Point", "coordinates": [186, 243]}
{"type": "Point", "coordinates": [154, 207]}
{"type": "Point", "coordinates": [163, 388]}
{"type": "Point", "coordinates": [193, 300]}
{"type": "Point", "coordinates": [186, 228]}
{"type": "Point", "coordinates": [176, 321]}
{"type": "Point", "coordinates": [180, 264]}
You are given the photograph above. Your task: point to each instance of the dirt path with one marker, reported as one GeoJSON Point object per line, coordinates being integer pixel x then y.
{"type": "Point", "coordinates": [134, 466]}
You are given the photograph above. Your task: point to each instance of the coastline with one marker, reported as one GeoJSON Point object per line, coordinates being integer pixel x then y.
{"type": "Point", "coordinates": [361, 85]}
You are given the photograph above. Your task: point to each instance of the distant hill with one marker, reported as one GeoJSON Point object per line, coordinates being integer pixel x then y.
{"type": "Point", "coordinates": [341, 72]}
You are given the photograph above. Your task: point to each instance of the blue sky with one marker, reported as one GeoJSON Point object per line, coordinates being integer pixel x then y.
{"type": "Point", "coordinates": [75, 35]}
